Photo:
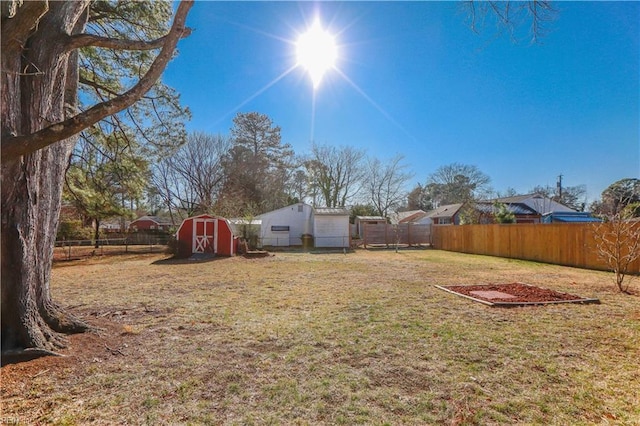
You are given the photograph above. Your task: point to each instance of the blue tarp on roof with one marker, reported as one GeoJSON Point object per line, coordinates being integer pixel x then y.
{"type": "Point", "coordinates": [569, 217]}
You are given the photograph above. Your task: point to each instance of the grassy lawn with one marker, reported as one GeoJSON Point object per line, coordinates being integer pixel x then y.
{"type": "Point", "coordinates": [362, 338]}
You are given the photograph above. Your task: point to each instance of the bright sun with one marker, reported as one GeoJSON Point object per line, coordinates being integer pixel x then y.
{"type": "Point", "coordinates": [317, 52]}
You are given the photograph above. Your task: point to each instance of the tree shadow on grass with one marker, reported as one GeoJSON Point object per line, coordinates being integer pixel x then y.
{"type": "Point", "coordinates": [188, 260]}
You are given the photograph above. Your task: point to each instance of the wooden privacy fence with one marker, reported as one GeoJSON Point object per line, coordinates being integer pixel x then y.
{"type": "Point", "coordinates": [387, 234]}
{"type": "Point", "coordinates": [558, 243]}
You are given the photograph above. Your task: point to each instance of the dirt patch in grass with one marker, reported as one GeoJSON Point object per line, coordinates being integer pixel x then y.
{"type": "Point", "coordinates": [361, 338]}
{"type": "Point", "coordinates": [515, 294]}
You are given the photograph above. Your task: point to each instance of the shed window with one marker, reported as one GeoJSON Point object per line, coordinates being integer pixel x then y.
{"type": "Point", "coordinates": [278, 228]}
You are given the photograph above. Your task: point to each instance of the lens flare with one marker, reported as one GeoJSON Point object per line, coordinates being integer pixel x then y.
{"type": "Point", "coordinates": [317, 52]}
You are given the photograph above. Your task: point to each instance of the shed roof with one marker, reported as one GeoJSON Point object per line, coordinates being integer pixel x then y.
{"type": "Point", "coordinates": [330, 211]}
{"type": "Point", "coordinates": [201, 216]}
{"type": "Point", "coordinates": [372, 218]}
{"type": "Point", "coordinates": [240, 221]}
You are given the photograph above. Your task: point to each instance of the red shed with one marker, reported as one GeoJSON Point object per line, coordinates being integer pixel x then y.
{"type": "Point", "coordinates": [206, 234]}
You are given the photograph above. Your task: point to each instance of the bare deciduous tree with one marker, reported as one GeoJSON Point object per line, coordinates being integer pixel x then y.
{"type": "Point", "coordinates": [189, 180]}
{"type": "Point", "coordinates": [299, 189]}
{"type": "Point", "coordinates": [618, 196]}
{"type": "Point", "coordinates": [336, 173]}
{"type": "Point", "coordinates": [385, 184]}
{"type": "Point", "coordinates": [510, 14]}
{"type": "Point", "coordinates": [618, 236]}
{"type": "Point", "coordinates": [618, 244]}
{"type": "Point", "coordinates": [457, 183]}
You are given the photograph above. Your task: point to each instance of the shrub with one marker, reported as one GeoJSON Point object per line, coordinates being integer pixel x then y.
{"type": "Point", "coordinates": [73, 230]}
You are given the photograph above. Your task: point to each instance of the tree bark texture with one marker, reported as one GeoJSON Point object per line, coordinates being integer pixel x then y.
{"type": "Point", "coordinates": [39, 123]}
{"type": "Point", "coordinates": [39, 87]}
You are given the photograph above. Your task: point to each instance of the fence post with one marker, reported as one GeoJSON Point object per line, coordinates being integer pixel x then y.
{"type": "Point", "coordinates": [386, 238]}
{"type": "Point", "coordinates": [364, 234]}
{"type": "Point", "coordinates": [69, 250]}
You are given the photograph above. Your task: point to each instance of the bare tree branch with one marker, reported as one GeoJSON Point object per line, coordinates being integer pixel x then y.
{"type": "Point", "coordinates": [509, 14]}
{"type": "Point", "coordinates": [13, 147]}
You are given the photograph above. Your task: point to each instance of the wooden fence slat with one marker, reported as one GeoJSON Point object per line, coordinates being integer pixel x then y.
{"type": "Point", "coordinates": [570, 244]}
{"type": "Point", "coordinates": [387, 234]}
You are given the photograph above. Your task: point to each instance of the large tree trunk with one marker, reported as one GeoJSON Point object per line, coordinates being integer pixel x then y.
{"type": "Point", "coordinates": [34, 75]}
{"type": "Point", "coordinates": [96, 233]}
{"type": "Point", "coordinates": [39, 99]}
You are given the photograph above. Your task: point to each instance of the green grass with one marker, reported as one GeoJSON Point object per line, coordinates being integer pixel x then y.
{"type": "Point", "coordinates": [362, 338]}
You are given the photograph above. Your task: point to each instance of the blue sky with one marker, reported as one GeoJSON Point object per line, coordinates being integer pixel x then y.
{"type": "Point", "coordinates": [414, 79]}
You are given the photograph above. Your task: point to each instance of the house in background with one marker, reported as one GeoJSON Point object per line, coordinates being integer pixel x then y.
{"type": "Point", "coordinates": [543, 210]}
{"type": "Point", "coordinates": [444, 215]}
{"type": "Point", "coordinates": [536, 202]}
{"type": "Point", "coordinates": [408, 216]}
{"type": "Point", "coordinates": [150, 223]}
{"type": "Point", "coordinates": [530, 208]}
{"type": "Point", "coordinates": [113, 225]}
{"type": "Point", "coordinates": [485, 211]}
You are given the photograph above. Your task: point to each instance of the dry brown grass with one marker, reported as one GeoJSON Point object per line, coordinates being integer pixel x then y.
{"type": "Point", "coordinates": [362, 338]}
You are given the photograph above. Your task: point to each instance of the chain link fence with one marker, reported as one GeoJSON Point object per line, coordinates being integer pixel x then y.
{"type": "Point", "coordinates": [311, 242]}
{"type": "Point", "coordinates": [140, 243]}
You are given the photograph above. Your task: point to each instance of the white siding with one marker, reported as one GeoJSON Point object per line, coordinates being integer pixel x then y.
{"type": "Point", "coordinates": [331, 231]}
{"type": "Point", "coordinates": [297, 217]}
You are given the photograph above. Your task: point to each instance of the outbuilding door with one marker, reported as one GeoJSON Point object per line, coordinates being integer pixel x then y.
{"type": "Point", "coordinates": [331, 231]}
{"type": "Point", "coordinates": [204, 235]}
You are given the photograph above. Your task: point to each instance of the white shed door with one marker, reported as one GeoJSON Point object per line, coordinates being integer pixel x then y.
{"type": "Point", "coordinates": [331, 231]}
{"type": "Point", "coordinates": [204, 231]}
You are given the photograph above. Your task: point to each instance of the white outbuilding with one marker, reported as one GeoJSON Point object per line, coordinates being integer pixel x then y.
{"type": "Point", "coordinates": [286, 226]}
{"type": "Point", "coordinates": [331, 228]}
{"type": "Point", "coordinates": [300, 225]}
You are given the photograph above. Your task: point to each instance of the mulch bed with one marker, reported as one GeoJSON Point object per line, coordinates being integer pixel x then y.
{"type": "Point", "coordinates": [514, 294]}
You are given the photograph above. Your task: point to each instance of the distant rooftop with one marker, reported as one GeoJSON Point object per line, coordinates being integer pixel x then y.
{"type": "Point", "coordinates": [156, 219]}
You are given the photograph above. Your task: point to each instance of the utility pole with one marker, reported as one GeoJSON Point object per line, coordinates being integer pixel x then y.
{"type": "Point", "coordinates": [559, 187]}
